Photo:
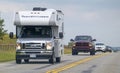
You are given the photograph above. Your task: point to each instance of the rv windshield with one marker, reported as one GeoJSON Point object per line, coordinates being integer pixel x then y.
{"type": "Point", "coordinates": [36, 32]}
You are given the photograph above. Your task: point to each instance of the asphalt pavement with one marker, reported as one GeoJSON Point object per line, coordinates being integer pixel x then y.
{"type": "Point", "coordinates": [108, 63]}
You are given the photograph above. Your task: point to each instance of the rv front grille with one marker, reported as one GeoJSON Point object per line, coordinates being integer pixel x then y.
{"type": "Point", "coordinates": [33, 46]}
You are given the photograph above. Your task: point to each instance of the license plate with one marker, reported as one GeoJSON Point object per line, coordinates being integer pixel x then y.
{"type": "Point", "coordinates": [32, 55]}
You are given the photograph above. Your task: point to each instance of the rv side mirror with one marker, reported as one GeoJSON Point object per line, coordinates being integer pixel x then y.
{"type": "Point", "coordinates": [11, 35]}
{"type": "Point", "coordinates": [60, 35]}
{"type": "Point", "coordinates": [71, 40]}
{"type": "Point", "coordinates": [94, 40]}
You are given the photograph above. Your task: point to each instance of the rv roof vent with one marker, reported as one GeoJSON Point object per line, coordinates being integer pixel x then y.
{"type": "Point", "coordinates": [39, 9]}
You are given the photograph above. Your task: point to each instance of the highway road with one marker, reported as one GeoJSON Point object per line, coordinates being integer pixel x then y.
{"type": "Point", "coordinates": [82, 63]}
{"type": "Point", "coordinates": [106, 64]}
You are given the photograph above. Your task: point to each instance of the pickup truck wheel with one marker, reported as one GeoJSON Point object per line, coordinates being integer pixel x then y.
{"type": "Point", "coordinates": [18, 61]}
{"type": "Point", "coordinates": [92, 52]}
{"type": "Point", "coordinates": [74, 52]}
{"type": "Point", "coordinates": [58, 59]}
{"type": "Point", "coordinates": [26, 60]}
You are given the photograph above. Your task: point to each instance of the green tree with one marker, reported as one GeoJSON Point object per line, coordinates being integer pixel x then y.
{"type": "Point", "coordinates": [2, 31]}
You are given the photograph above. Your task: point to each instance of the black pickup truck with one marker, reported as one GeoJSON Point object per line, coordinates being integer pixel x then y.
{"type": "Point", "coordinates": [83, 43]}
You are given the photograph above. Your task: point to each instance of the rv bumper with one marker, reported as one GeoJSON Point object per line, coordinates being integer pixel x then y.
{"type": "Point", "coordinates": [33, 54]}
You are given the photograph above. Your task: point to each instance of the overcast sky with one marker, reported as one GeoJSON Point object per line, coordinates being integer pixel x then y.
{"type": "Point", "coordinates": [98, 18]}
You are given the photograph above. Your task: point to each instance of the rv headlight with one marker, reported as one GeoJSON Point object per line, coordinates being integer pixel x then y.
{"type": "Point", "coordinates": [48, 45]}
{"type": "Point", "coordinates": [18, 46]}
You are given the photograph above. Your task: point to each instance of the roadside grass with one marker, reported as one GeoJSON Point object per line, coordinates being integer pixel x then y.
{"type": "Point", "coordinates": [7, 40]}
{"type": "Point", "coordinates": [7, 49]}
{"type": "Point", "coordinates": [67, 50]}
{"type": "Point", "coordinates": [7, 56]}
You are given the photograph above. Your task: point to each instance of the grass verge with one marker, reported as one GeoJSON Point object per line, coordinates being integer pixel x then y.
{"type": "Point", "coordinates": [67, 50]}
{"type": "Point", "coordinates": [7, 56]}
{"type": "Point", "coordinates": [7, 49]}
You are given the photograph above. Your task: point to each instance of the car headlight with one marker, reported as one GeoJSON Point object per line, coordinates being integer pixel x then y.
{"type": "Point", "coordinates": [18, 46]}
{"type": "Point", "coordinates": [49, 46]}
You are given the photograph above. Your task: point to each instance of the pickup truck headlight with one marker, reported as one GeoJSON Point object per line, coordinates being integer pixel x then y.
{"type": "Point", "coordinates": [90, 45]}
{"type": "Point", "coordinates": [18, 46]}
{"type": "Point", "coordinates": [73, 44]}
{"type": "Point", "coordinates": [49, 46]}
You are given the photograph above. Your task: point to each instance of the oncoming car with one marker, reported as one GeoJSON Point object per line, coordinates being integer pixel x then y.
{"type": "Point", "coordinates": [83, 43]}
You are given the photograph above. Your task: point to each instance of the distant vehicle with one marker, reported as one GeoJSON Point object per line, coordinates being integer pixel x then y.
{"type": "Point", "coordinates": [115, 49]}
{"type": "Point", "coordinates": [83, 43]}
{"type": "Point", "coordinates": [108, 49]}
{"type": "Point", "coordinates": [100, 47]}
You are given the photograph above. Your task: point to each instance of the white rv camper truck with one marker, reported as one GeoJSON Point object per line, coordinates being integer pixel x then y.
{"type": "Point", "coordinates": [39, 35]}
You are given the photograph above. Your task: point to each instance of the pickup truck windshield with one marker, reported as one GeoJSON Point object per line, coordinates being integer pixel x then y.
{"type": "Point", "coordinates": [78, 38]}
{"type": "Point", "coordinates": [36, 32]}
{"type": "Point", "coordinates": [99, 44]}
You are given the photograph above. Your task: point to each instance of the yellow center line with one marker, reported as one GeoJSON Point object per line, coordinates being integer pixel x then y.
{"type": "Point", "coordinates": [57, 70]}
